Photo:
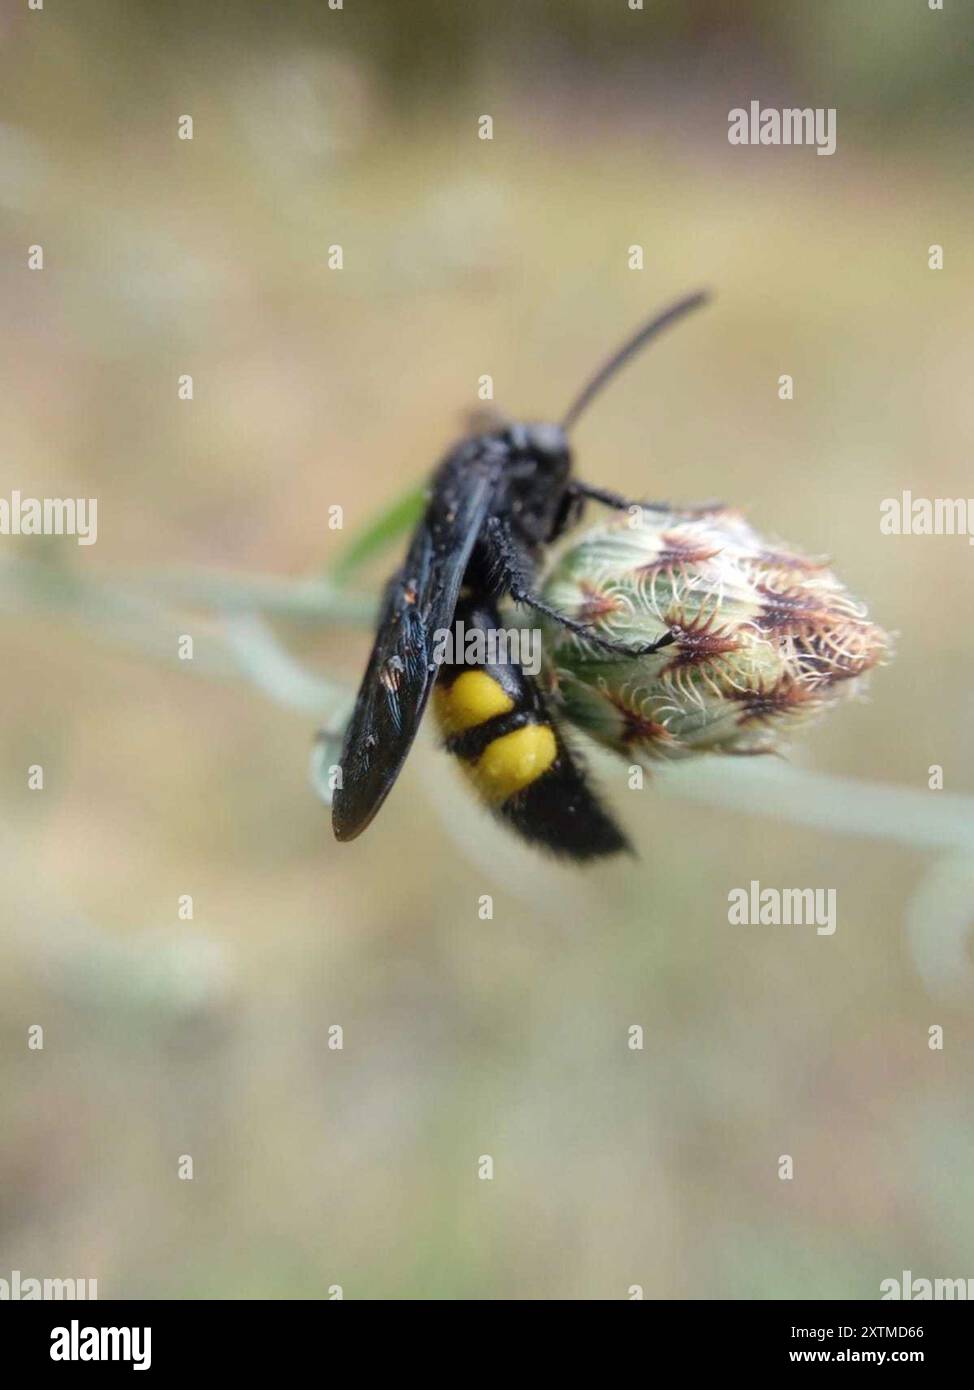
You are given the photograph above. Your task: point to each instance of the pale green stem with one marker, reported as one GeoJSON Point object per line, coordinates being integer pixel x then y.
{"type": "Point", "coordinates": [134, 611]}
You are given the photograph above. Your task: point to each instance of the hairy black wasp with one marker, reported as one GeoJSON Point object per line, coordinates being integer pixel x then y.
{"type": "Point", "coordinates": [495, 501]}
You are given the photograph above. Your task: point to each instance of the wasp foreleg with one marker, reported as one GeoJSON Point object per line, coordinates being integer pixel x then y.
{"type": "Point", "coordinates": [504, 558]}
{"type": "Point", "coordinates": [627, 504]}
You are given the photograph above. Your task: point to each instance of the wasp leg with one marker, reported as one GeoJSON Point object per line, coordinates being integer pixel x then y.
{"type": "Point", "coordinates": [606, 644]}
{"type": "Point", "coordinates": [504, 556]}
{"type": "Point", "coordinates": [625, 504]}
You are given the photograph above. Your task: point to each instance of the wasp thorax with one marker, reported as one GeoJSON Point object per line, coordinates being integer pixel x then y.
{"type": "Point", "coordinates": [764, 638]}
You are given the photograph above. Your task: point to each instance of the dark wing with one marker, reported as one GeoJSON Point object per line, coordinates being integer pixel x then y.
{"type": "Point", "coordinates": [420, 598]}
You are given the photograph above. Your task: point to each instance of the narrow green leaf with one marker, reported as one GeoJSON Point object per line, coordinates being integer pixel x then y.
{"type": "Point", "coordinates": [391, 523]}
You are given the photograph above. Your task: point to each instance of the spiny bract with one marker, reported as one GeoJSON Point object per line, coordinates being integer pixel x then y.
{"type": "Point", "coordinates": [766, 638]}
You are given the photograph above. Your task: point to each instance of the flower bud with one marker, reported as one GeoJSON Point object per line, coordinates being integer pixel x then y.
{"type": "Point", "coordinates": [763, 638]}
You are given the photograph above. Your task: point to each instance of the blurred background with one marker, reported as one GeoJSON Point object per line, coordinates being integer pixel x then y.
{"type": "Point", "coordinates": [313, 387]}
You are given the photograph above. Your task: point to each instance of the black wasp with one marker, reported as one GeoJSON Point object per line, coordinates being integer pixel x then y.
{"type": "Point", "coordinates": [495, 501]}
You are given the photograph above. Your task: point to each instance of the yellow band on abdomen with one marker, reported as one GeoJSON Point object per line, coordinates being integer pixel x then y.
{"type": "Point", "coordinates": [472, 699]}
{"type": "Point", "coordinates": [512, 762]}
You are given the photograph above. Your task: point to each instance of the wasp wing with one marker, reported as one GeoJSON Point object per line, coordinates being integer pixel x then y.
{"type": "Point", "coordinates": [420, 598]}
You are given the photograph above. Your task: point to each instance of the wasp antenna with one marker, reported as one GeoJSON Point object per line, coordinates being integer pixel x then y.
{"type": "Point", "coordinates": [629, 350]}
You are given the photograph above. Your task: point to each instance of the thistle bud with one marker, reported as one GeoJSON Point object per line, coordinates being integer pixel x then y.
{"type": "Point", "coordinates": [763, 638]}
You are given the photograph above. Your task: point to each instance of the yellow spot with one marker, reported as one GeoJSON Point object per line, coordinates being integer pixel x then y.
{"type": "Point", "coordinates": [513, 761]}
{"type": "Point", "coordinates": [472, 699]}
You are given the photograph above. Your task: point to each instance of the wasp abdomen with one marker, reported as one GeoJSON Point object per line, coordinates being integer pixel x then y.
{"type": "Point", "coordinates": [495, 719]}
{"type": "Point", "coordinates": [504, 741]}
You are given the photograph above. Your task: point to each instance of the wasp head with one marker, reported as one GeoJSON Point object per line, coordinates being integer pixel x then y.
{"type": "Point", "coordinates": [540, 462]}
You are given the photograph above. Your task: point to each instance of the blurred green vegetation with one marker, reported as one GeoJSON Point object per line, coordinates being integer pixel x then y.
{"type": "Point", "coordinates": [315, 388]}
